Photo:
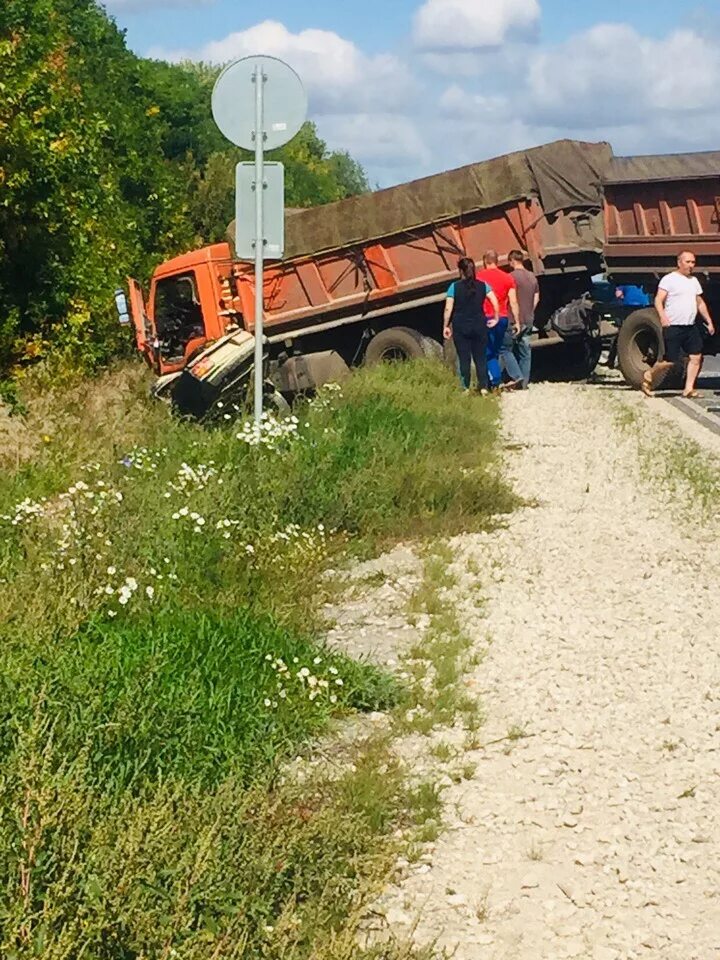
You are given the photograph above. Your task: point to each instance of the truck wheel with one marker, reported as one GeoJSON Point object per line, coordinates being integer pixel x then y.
{"type": "Point", "coordinates": [275, 403]}
{"type": "Point", "coordinates": [433, 349]}
{"type": "Point", "coordinates": [450, 357]}
{"type": "Point", "coordinates": [397, 343]}
{"type": "Point", "coordinates": [639, 345]}
{"type": "Point", "coordinates": [582, 358]}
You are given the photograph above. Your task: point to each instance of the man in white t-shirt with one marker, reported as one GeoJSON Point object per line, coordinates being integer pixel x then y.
{"type": "Point", "coordinates": [678, 302]}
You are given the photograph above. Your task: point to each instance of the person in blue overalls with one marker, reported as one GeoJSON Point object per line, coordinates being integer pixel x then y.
{"type": "Point", "coordinates": [466, 322]}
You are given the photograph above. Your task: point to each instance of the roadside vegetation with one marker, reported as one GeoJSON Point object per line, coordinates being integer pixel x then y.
{"type": "Point", "coordinates": [442, 658]}
{"type": "Point", "coordinates": [676, 465]}
{"type": "Point", "coordinates": [109, 163]}
{"type": "Point", "coordinates": [162, 660]}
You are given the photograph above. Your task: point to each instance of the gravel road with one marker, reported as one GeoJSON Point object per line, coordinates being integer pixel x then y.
{"type": "Point", "coordinates": [596, 834]}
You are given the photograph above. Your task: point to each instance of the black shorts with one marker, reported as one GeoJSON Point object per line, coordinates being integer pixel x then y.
{"type": "Point", "coordinates": [682, 339]}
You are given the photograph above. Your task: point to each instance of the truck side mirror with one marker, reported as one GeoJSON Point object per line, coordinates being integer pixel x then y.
{"type": "Point", "coordinates": [122, 307]}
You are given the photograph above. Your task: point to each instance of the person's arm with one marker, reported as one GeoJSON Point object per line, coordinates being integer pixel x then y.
{"type": "Point", "coordinates": [447, 317]}
{"type": "Point", "coordinates": [660, 307]}
{"type": "Point", "coordinates": [536, 298]}
{"type": "Point", "coordinates": [490, 294]}
{"type": "Point", "coordinates": [705, 314]}
{"type": "Point", "coordinates": [514, 309]}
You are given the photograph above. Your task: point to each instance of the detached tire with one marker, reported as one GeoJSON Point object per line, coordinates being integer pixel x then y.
{"type": "Point", "coordinates": [640, 345]}
{"type": "Point", "coordinates": [396, 344]}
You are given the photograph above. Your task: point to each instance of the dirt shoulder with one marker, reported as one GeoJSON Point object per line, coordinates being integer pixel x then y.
{"type": "Point", "coordinates": [589, 827]}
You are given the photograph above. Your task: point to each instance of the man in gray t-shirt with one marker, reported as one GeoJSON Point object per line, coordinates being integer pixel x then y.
{"type": "Point", "coordinates": [528, 295]}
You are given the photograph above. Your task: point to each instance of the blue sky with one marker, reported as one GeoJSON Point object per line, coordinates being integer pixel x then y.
{"type": "Point", "coordinates": [410, 87]}
{"type": "Point", "coordinates": [375, 25]}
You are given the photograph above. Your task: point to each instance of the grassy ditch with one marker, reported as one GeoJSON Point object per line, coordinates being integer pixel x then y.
{"type": "Point", "coordinates": [160, 659]}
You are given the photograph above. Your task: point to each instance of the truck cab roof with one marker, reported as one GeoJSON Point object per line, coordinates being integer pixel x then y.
{"type": "Point", "coordinates": [216, 252]}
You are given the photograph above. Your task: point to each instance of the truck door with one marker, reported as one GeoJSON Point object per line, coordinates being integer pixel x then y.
{"type": "Point", "coordinates": [144, 333]}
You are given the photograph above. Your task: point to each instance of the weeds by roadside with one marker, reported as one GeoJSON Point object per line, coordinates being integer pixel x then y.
{"type": "Point", "coordinates": [160, 583]}
{"type": "Point", "coordinates": [439, 661]}
{"type": "Point", "coordinates": [675, 464]}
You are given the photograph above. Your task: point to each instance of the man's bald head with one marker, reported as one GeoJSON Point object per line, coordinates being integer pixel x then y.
{"type": "Point", "coordinates": [490, 258]}
{"type": "Point", "coordinates": [686, 262]}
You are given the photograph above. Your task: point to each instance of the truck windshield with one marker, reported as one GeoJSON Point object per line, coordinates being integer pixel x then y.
{"type": "Point", "coordinates": [178, 316]}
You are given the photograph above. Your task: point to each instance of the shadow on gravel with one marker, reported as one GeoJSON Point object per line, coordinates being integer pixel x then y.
{"type": "Point", "coordinates": [708, 384]}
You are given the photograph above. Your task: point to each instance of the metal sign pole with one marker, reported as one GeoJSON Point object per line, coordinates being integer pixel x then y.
{"type": "Point", "coordinates": [277, 115]}
{"type": "Point", "coordinates": [259, 80]}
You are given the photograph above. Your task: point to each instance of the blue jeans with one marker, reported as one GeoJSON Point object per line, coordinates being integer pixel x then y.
{"type": "Point", "coordinates": [500, 351]}
{"type": "Point", "coordinates": [494, 346]}
{"type": "Point", "coordinates": [523, 353]}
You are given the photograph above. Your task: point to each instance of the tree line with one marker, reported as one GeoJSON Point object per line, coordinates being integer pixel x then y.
{"type": "Point", "coordinates": [110, 163]}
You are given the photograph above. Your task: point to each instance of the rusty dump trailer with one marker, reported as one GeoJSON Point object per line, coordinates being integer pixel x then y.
{"type": "Point", "coordinates": [654, 207]}
{"type": "Point", "coordinates": [363, 279]}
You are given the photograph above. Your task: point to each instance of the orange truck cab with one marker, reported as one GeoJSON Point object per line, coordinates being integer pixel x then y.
{"type": "Point", "coordinates": [190, 303]}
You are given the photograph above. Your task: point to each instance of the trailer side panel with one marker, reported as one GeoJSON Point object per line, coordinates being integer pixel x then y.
{"type": "Point", "coordinates": [655, 206]}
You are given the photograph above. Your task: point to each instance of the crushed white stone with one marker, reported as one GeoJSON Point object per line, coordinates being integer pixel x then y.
{"type": "Point", "coordinates": [598, 834]}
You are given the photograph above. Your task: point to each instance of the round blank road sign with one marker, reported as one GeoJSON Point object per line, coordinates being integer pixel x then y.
{"type": "Point", "coordinates": [233, 102]}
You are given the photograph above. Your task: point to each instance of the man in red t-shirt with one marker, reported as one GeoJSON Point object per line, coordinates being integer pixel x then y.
{"type": "Point", "coordinates": [501, 336]}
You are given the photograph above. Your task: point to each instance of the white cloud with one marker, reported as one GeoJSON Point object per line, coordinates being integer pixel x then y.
{"type": "Point", "coordinates": [338, 76]}
{"type": "Point", "coordinates": [452, 25]}
{"type": "Point", "coordinates": [643, 94]}
{"type": "Point", "coordinates": [609, 83]}
{"type": "Point", "coordinates": [386, 140]}
{"type": "Point", "coordinates": [611, 75]}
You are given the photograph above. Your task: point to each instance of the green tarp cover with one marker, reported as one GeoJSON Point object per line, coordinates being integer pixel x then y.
{"type": "Point", "coordinates": [671, 166]}
{"type": "Point", "coordinates": [564, 175]}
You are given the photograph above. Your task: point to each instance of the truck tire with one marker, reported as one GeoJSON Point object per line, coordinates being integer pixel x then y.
{"type": "Point", "coordinates": [275, 403]}
{"type": "Point", "coordinates": [582, 358]}
{"type": "Point", "coordinates": [396, 343]}
{"type": "Point", "coordinates": [433, 349]}
{"type": "Point", "coordinates": [639, 345]}
{"type": "Point", "coordinates": [450, 357]}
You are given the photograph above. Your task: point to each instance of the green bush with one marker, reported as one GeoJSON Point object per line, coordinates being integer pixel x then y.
{"type": "Point", "coordinates": [109, 164]}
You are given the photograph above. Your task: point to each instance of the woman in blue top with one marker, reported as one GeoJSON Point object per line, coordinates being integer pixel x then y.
{"type": "Point", "coordinates": [466, 323]}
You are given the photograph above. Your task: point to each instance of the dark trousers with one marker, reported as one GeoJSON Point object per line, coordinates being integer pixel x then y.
{"type": "Point", "coordinates": [472, 344]}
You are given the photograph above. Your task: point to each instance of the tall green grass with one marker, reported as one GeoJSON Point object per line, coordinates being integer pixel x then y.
{"type": "Point", "coordinates": [160, 660]}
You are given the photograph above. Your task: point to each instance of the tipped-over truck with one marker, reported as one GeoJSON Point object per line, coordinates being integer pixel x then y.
{"type": "Point", "coordinates": [362, 279]}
